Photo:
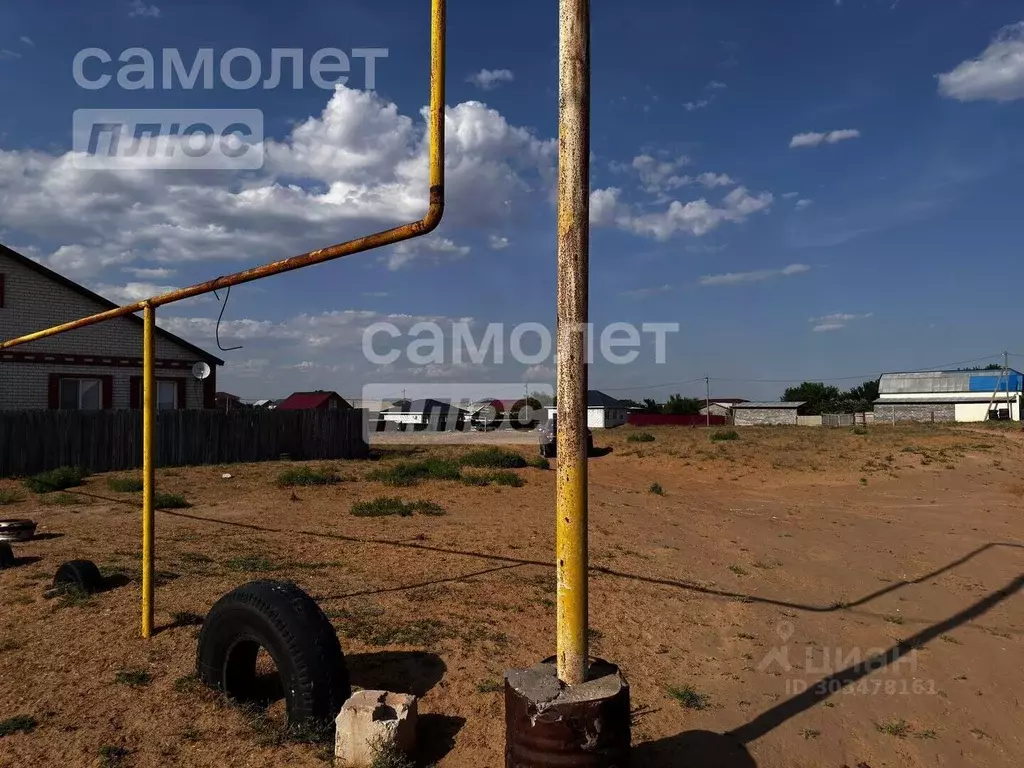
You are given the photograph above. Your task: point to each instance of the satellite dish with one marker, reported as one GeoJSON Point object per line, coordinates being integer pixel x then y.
{"type": "Point", "coordinates": [201, 370]}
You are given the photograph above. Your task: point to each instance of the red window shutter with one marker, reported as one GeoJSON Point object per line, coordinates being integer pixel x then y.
{"type": "Point", "coordinates": [107, 383]}
{"type": "Point", "coordinates": [182, 393]}
{"type": "Point", "coordinates": [53, 395]}
{"type": "Point", "coordinates": [135, 393]}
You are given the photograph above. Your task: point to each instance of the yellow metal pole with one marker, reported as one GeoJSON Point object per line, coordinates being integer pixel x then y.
{"type": "Point", "coordinates": [148, 478]}
{"type": "Point", "coordinates": [438, 77]}
{"type": "Point", "coordinates": [573, 275]}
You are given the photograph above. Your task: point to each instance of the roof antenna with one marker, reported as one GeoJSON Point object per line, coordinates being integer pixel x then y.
{"type": "Point", "coordinates": [220, 317]}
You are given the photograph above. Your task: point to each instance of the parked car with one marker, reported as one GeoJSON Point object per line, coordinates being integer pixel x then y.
{"type": "Point", "coordinates": [548, 440]}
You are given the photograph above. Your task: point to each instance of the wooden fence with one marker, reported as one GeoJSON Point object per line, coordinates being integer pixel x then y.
{"type": "Point", "coordinates": [105, 441]}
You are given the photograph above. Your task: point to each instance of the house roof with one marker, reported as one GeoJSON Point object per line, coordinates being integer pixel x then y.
{"type": "Point", "coordinates": [422, 406]}
{"type": "Point", "coordinates": [598, 399]}
{"type": "Point", "coordinates": [774, 404]}
{"type": "Point", "coordinates": [226, 396]}
{"type": "Point", "coordinates": [935, 382]}
{"type": "Point", "coordinates": [303, 401]}
{"type": "Point", "coordinates": [727, 400]}
{"type": "Point", "coordinates": [81, 290]}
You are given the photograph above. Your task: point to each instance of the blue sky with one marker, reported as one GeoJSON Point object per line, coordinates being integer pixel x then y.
{"type": "Point", "coordinates": [793, 183]}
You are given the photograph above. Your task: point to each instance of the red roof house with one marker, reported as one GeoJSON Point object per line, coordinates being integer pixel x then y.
{"type": "Point", "coordinates": [314, 401]}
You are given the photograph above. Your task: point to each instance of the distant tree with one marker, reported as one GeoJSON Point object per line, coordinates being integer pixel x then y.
{"type": "Point", "coordinates": [677, 405]}
{"type": "Point", "coordinates": [631, 403]}
{"type": "Point", "coordinates": [866, 392]}
{"type": "Point", "coordinates": [542, 398]}
{"type": "Point", "coordinates": [818, 396]}
{"type": "Point", "coordinates": [650, 406]}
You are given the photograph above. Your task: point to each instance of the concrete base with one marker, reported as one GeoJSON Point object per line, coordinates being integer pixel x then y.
{"type": "Point", "coordinates": [548, 723]}
{"type": "Point", "coordinates": [371, 719]}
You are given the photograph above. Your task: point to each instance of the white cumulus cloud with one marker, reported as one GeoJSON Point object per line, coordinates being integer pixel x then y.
{"type": "Point", "coordinates": [131, 292]}
{"type": "Point", "coordinates": [440, 248]}
{"type": "Point", "coordinates": [836, 321]}
{"type": "Point", "coordinates": [814, 139]}
{"type": "Point", "coordinates": [360, 166]}
{"type": "Point", "coordinates": [713, 180]}
{"type": "Point", "coordinates": [996, 75]}
{"type": "Point", "coordinates": [139, 9]}
{"type": "Point", "coordinates": [756, 276]}
{"type": "Point", "coordinates": [489, 79]}
{"type": "Point", "coordinates": [696, 217]}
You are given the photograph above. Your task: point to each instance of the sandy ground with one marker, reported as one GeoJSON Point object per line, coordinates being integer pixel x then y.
{"type": "Point", "coordinates": [771, 565]}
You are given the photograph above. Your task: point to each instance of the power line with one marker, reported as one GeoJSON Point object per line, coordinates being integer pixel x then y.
{"type": "Point", "coordinates": [860, 377]}
{"type": "Point", "coordinates": [655, 386]}
{"type": "Point", "coordinates": [864, 376]}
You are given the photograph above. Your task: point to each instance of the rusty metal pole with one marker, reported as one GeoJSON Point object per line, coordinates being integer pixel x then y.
{"type": "Point", "coordinates": [573, 276]}
{"type": "Point", "coordinates": [148, 457]}
{"type": "Point", "coordinates": [570, 710]}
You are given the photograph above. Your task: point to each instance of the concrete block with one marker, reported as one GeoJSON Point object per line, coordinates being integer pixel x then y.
{"type": "Point", "coordinates": [370, 718]}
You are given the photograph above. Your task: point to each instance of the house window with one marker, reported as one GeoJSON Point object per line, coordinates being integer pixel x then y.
{"type": "Point", "coordinates": [167, 393]}
{"type": "Point", "coordinates": [334, 405]}
{"type": "Point", "coordinates": [81, 394]}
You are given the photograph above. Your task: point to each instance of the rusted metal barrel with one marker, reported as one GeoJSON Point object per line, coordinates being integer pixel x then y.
{"type": "Point", "coordinates": [550, 725]}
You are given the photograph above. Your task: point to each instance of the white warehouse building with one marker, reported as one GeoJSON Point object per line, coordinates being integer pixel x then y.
{"type": "Point", "coordinates": [949, 396]}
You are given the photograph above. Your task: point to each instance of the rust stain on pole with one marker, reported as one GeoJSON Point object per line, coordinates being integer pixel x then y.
{"type": "Point", "coordinates": [573, 276]}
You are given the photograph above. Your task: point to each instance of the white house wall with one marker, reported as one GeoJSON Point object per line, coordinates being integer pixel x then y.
{"type": "Point", "coordinates": [603, 418]}
{"type": "Point", "coordinates": [979, 411]}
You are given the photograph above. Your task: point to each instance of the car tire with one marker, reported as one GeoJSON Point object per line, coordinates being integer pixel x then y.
{"type": "Point", "coordinates": [79, 574]}
{"type": "Point", "coordinates": [286, 622]}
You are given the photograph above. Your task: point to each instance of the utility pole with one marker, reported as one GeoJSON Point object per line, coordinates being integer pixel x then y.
{"type": "Point", "coordinates": [1006, 367]}
{"type": "Point", "coordinates": [707, 388]}
{"type": "Point", "coordinates": [999, 382]}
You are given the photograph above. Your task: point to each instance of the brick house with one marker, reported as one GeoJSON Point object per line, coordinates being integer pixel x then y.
{"type": "Point", "coordinates": [93, 368]}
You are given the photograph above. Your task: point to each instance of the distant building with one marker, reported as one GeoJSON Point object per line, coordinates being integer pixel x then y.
{"type": "Point", "coordinates": [721, 406]}
{"type": "Point", "coordinates": [225, 401]}
{"type": "Point", "coordinates": [949, 396]}
{"type": "Point", "coordinates": [493, 413]}
{"type": "Point", "coordinates": [414, 413]}
{"type": "Point", "coordinates": [770, 413]}
{"type": "Point", "coordinates": [314, 401]}
{"type": "Point", "coordinates": [603, 411]}
{"type": "Point", "coordinates": [373, 404]}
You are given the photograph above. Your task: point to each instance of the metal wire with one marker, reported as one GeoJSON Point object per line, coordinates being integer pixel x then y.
{"type": "Point", "coordinates": [216, 331]}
